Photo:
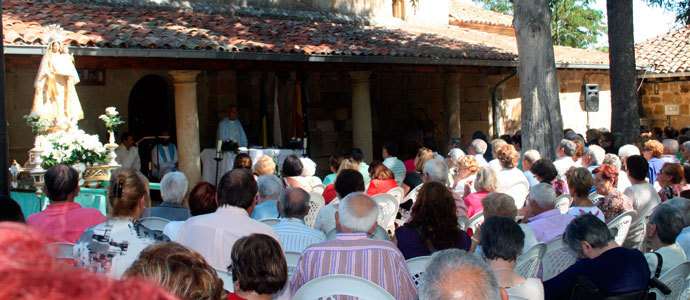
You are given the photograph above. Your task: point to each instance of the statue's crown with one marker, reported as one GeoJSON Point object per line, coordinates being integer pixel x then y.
{"type": "Point", "coordinates": [54, 33]}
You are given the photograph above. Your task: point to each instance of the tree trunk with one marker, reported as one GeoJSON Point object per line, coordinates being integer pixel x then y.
{"type": "Point", "coordinates": [542, 125]}
{"type": "Point", "coordinates": [625, 118]}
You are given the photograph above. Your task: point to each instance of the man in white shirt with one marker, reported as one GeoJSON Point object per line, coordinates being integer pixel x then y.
{"type": "Point", "coordinates": [477, 149]}
{"type": "Point", "coordinates": [389, 153]}
{"type": "Point", "coordinates": [127, 153]}
{"type": "Point", "coordinates": [664, 226]}
{"type": "Point", "coordinates": [230, 128]}
{"type": "Point", "coordinates": [163, 157]}
{"type": "Point", "coordinates": [294, 233]}
{"type": "Point", "coordinates": [565, 151]}
{"type": "Point", "coordinates": [683, 205]}
{"type": "Point", "coordinates": [214, 234]}
{"type": "Point", "coordinates": [685, 151]}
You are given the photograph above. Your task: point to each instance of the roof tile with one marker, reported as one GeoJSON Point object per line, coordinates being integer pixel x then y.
{"type": "Point", "coordinates": [666, 53]}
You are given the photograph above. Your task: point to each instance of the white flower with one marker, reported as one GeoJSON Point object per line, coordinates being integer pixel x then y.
{"type": "Point", "coordinates": [111, 111]}
{"type": "Point", "coordinates": [104, 118]}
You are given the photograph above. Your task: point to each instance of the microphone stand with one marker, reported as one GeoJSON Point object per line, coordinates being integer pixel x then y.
{"type": "Point", "coordinates": [218, 159]}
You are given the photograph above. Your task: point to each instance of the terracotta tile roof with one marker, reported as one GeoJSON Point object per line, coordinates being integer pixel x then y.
{"type": "Point", "coordinates": [24, 23]}
{"type": "Point", "coordinates": [469, 13]}
{"type": "Point", "coordinates": [666, 53]}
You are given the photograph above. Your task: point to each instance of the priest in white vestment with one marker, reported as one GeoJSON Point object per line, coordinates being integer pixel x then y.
{"type": "Point", "coordinates": [127, 153]}
{"type": "Point", "coordinates": [163, 157]}
{"type": "Point", "coordinates": [231, 128]}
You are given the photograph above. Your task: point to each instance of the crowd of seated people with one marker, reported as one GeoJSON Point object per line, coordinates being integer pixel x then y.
{"type": "Point", "coordinates": [522, 196]}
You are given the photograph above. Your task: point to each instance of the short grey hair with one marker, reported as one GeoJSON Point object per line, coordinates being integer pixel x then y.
{"type": "Point", "coordinates": [437, 170]}
{"type": "Point", "coordinates": [294, 203]}
{"type": "Point", "coordinates": [568, 147]}
{"type": "Point", "coordinates": [269, 186]}
{"type": "Point", "coordinates": [668, 221]}
{"type": "Point", "coordinates": [361, 218]}
{"type": "Point", "coordinates": [686, 146]}
{"type": "Point", "coordinates": [613, 160]}
{"type": "Point", "coordinates": [683, 205]}
{"type": "Point", "coordinates": [628, 150]}
{"type": "Point", "coordinates": [437, 282]}
{"type": "Point", "coordinates": [531, 156]}
{"type": "Point", "coordinates": [596, 154]}
{"type": "Point", "coordinates": [587, 228]}
{"type": "Point", "coordinates": [671, 145]}
{"type": "Point", "coordinates": [455, 154]}
{"type": "Point", "coordinates": [174, 187]}
{"type": "Point", "coordinates": [308, 166]}
{"type": "Point", "coordinates": [486, 180]}
{"type": "Point", "coordinates": [543, 195]}
{"type": "Point", "coordinates": [479, 146]}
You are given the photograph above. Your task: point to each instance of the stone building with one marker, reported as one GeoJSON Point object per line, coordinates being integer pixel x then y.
{"type": "Point", "coordinates": [369, 74]}
{"type": "Point", "coordinates": [666, 78]}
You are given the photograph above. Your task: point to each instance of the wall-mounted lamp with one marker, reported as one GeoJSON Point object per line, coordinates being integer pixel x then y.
{"type": "Point", "coordinates": [656, 88]}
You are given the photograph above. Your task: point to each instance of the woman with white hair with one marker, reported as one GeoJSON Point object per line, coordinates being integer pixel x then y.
{"type": "Point", "coordinates": [173, 191]}
{"type": "Point", "coordinates": [308, 171]}
{"type": "Point", "coordinates": [485, 183]}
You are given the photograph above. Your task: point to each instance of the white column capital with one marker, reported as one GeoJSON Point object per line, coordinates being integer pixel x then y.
{"type": "Point", "coordinates": [360, 76]}
{"type": "Point", "coordinates": [184, 76]}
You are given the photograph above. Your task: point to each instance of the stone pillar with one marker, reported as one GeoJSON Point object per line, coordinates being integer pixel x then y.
{"type": "Point", "coordinates": [452, 105]}
{"type": "Point", "coordinates": [187, 124]}
{"type": "Point", "coordinates": [361, 114]}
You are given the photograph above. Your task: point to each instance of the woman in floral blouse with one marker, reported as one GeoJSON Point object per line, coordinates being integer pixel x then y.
{"type": "Point", "coordinates": [670, 178]}
{"type": "Point", "coordinates": [614, 202]}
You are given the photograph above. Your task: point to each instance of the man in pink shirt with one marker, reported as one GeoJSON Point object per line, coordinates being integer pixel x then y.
{"type": "Point", "coordinates": [545, 219]}
{"type": "Point", "coordinates": [63, 220]}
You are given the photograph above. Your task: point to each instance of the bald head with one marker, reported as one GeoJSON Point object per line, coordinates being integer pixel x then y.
{"type": "Point", "coordinates": [294, 203]}
{"type": "Point", "coordinates": [450, 266]}
{"type": "Point", "coordinates": [357, 212]}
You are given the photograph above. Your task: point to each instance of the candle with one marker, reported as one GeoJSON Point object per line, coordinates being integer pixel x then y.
{"type": "Point", "coordinates": [220, 145]}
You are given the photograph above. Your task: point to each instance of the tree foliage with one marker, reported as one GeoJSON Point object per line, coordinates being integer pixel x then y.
{"type": "Point", "coordinates": [680, 7]}
{"type": "Point", "coordinates": [573, 22]}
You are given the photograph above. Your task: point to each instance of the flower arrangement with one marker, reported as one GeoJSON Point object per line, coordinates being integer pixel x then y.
{"type": "Point", "coordinates": [38, 125]}
{"type": "Point", "coordinates": [71, 147]}
{"type": "Point", "coordinates": [111, 118]}
{"type": "Point", "coordinates": [230, 146]}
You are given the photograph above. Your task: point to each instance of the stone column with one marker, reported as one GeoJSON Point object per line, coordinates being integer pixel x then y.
{"type": "Point", "coordinates": [361, 114]}
{"type": "Point", "coordinates": [187, 124]}
{"type": "Point", "coordinates": [452, 104]}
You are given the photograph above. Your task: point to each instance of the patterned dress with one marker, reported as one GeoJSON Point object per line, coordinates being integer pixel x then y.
{"type": "Point", "coordinates": [111, 247]}
{"type": "Point", "coordinates": [672, 191]}
{"type": "Point", "coordinates": [614, 204]}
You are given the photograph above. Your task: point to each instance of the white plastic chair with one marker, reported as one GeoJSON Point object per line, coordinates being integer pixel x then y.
{"type": "Point", "coordinates": [675, 280]}
{"type": "Point", "coordinates": [316, 202]}
{"type": "Point", "coordinates": [476, 221]}
{"type": "Point", "coordinates": [528, 263]}
{"type": "Point", "coordinates": [154, 223]}
{"type": "Point", "coordinates": [339, 284]}
{"type": "Point", "coordinates": [270, 221]}
{"type": "Point", "coordinates": [388, 208]}
{"type": "Point", "coordinates": [319, 188]}
{"type": "Point", "coordinates": [620, 226]}
{"type": "Point", "coordinates": [563, 203]}
{"type": "Point", "coordinates": [226, 276]}
{"type": "Point", "coordinates": [292, 259]}
{"type": "Point", "coordinates": [594, 197]}
{"type": "Point", "coordinates": [61, 250]}
{"type": "Point", "coordinates": [556, 259]}
{"type": "Point", "coordinates": [463, 222]}
{"type": "Point", "coordinates": [519, 192]}
{"type": "Point", "coordinates": [417, 267]}
{"type": "Point", "coordinates": [398, 193]}
{"type": "Point", "coordinates": [412, 195]}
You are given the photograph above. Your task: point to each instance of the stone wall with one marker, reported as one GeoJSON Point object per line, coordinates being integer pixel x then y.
{"type": "Point", "coordinates": [657, 92]}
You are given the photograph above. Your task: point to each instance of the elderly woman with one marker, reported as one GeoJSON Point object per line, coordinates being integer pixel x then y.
{"type": "Point", "coordinates": [612, 269]}
{"type": "Point", "coordinates": [330, 192]}
{"type": "Point", "coordinates": [671, 179]}
{"type": "Point", "coordinates": [173, 190]}
{"type": "Point", "coordinates": [433, 224]}
{"type": "Point", "coordinates": [510, 179]}
{"type": "Point", "coordinates": [612, 201]}
{"type": "Point", "coordinates": [308, 171]}
{"type": "Point", "coordinates": [502, 240]}
{"type": "Point", "coordinates": [202, 200]}
{"type": "Point", "coordinates": [579, 183]}
{"type": "Point", "coordinates": [485, 183]}
{"type": "Point", "coordinates": [264, 166]}
{"type": "Point", "coordinates": [258, 267]}
{"type": "Point", "coordinates": [292, 173]}
{"type": "Point", "coordinates": [334, 164]}
{"type": "Point", "coordinates": [579, 152]}
{"type": "Point", "coordinates": [178, 269]}
{"type": "Point", "coordinates": [111, 247]}
{"type": "Point", "coordinates": [665, 224]}
{"type": "Point", "coordinates": [242, 161]}
{"type": "Point", "coordinates": [653, 149]}
{"type": "Point", "coordinates": [545, 171]}
{"type": "Point", "coordinates": [382, 179]}
{"type": "Point", "coordinates": [414, 178]}
{"type": "Point", "coordinates": [497, 204]}
{"type": "Point", "coordinates": [614, 160]}
{"type": "Point", "coordinates": [467, 168]}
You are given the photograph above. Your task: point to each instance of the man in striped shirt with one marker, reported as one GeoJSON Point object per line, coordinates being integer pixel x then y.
{"type": "Point", "coordinates": [389, 152]}
{"type": "Point", "coordinates": [293, 232]}
{"type": "Point", "coordinates": [353, 253]}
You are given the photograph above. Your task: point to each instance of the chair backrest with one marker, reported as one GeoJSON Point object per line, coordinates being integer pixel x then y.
{"type": "Point", "coordinates": [154, 223]}
{"type": "Point", "coordinates": [563, 203]}
{"type": "Point", "coordinates": [475, 222]}
{"type": "Point", "coordinates": [61, 249]}
{"type": "Point", "coordinates": [417, 267]}
{"type": "Point", "coordinates": [675, 280]}
{"type": "Point", "coordinates": [557, 258]}
{"type": "Point", "coordinates": [528, 263]}
{"type": "Point", "coordinates": [319, 188]}
{"type": "Point", "coordinates": [398, 193]}
{"type": "Point", "coordinates": [316, 202]}
{"type": "Point", "coordinates": [594, 197]}
{"type": "Point", "coordinates": [463, 222]}
{"type": "Point", "coordinates": [620, 226]}
{"type": "Point", "coordinates": [412, 195]}
{"type": "Point", "coordinates": [519, 192]}
{"type": "Point", "coordinates": [388, 208]}
{"type": "Point", "coordinates": [339, 284]}
{"type": "Point", "coordinates": [270, 221]}
{"type": "Point", "coordinates": [226, 276]}
{"type": "Point", "coordinates": [292, 259]}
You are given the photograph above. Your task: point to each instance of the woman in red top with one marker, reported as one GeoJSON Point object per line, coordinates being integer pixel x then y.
{"type": "Point", "coordinates": [382, 179]}
{"type": "Point", "coordinates": [485, 183]}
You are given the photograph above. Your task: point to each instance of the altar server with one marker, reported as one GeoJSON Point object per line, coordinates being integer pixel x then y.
{"type": "Point", "coordinates": [163, 157]}
{"type": "Point", "coordinates": [127, 153]}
